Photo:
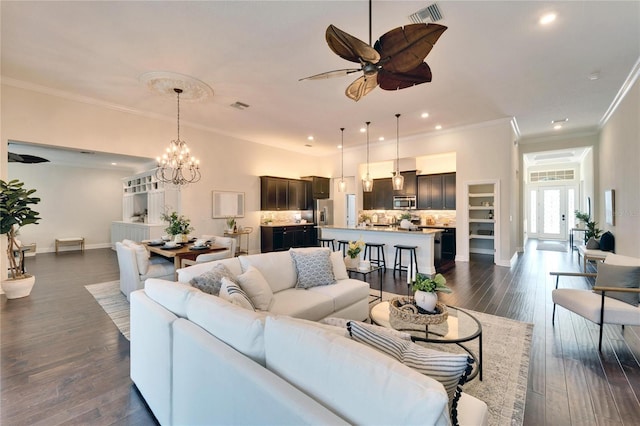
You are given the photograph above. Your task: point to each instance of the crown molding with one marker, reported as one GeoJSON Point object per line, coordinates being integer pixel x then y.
{"type": "Point", "coordinates": [622, 93]}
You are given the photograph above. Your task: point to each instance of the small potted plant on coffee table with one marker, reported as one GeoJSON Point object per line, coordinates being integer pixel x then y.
{"type": "Point", "coordinates": [425, 289]}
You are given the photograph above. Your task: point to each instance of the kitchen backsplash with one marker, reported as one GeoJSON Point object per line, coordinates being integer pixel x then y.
{"type": "Point", "coordinates": [287, 216]}
{"type": "Point", "coordinates": [422, 217]}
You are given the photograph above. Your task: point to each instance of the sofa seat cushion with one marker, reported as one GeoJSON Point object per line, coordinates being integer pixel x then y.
{"type": "Point", "coordinates": [344, 293]}
{"type": "Point", "coordinates": [303, 304]}
{"type": "Point", "coordinates": [357, 382]}
{"type": "Point", "coordinates": [240, 328]}
{"type": "Point", "coordinates": [276, 267]}
{"type": "Point", "coordinates": [164, 270]}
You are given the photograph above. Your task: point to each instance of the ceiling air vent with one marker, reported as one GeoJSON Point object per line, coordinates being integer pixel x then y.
{"type": "Point", "coordinates": [430, 13]}
{"type": "Point", "coordinates": [239, 105]}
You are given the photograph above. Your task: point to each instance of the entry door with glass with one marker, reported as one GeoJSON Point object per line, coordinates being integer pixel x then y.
{"type": "Point", "coordinates": [551, 210]}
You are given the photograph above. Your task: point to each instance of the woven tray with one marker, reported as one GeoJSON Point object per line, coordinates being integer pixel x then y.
{"type": "Point", "coordinates": [403, 314]}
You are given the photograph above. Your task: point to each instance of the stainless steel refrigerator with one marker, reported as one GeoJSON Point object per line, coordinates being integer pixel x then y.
{"type": "Point", "coordinates": [323, 212]}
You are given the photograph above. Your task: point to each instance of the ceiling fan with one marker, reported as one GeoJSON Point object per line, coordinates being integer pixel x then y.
{"type": "Point", "coordinates": [396, 61]}
{"type": "Point", "coordinates": [25, 158]}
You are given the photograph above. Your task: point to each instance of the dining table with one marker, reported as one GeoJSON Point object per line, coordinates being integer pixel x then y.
{"type": "Point", "coordinates": [182, 251]}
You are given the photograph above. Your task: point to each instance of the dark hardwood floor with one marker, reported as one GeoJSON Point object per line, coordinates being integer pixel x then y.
{"type": "Point", "coordinates": [64, 362]}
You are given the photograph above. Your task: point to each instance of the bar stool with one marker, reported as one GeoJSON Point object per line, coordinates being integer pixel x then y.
{"type": "Point", "coordinates": [327, 242]}
{"type": "Point", "coordinates": [343, 245]}
{"type": "Point", "coordinates": [413, 260]}
{"type": "Point", "coordinates": [379, 260]}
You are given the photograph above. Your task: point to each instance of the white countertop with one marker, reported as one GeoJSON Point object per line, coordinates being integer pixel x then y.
{"type": "Point", "coordinates": [278, 224]}
{"type": "Point", "coordinates": [385, 229]}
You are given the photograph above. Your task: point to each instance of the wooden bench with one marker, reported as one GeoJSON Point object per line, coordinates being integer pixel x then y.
{"type": "Point", "coordinates": [591, 254]}
{"type": "Point", "coordinates": [70, 241]}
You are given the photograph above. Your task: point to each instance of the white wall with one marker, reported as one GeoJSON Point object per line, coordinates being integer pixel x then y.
{"type": "Point", "coordinates": [228, 164]}
{"type": "Point", "coordinates": [74, 202]}
{"type": "Point", "coordinates": [619, 169]}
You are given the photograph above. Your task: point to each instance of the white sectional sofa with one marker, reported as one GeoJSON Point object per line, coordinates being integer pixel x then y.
{"type": "Point", "coordinates": [200, 360]}
{"type": "Point", "coordinates": [347, 298]}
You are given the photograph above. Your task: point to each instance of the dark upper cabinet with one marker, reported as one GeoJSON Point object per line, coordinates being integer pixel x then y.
{"type": "Point", "coordinates": [383, 194]}
{"type": "Point", "coordinates": [297, 199]}
{"type": "Point", "coordinates": [274, 193]}
{"type": "Point", "coordinates": [410, 186]}
{"type": "Point", "coordinates": [437, 192]}
{"type": "Point", "coordinates": [284, 194]}
{"type": "Point", "coordinates": [320, 187]}
{"type": "Point", "coordinates": [449, 189]}
{"type": "Point", "coordinates": [381, 197]}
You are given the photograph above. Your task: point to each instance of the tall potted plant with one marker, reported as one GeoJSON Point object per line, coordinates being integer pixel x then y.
{"type": "Point", "coordinates": [592, 229]}
{"type": "Point", "coordinates": [15, 212]}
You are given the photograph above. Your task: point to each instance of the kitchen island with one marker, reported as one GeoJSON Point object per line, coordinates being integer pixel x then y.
{"type": "Point", "coordinates": [423, 239]}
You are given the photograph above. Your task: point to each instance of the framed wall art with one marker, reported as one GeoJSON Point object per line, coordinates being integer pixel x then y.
{"type": "Point", "coordinates": [227, 203]}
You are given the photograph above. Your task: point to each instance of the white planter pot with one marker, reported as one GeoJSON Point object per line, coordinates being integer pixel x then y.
{"type": "Point", "coordinates": [352, 262]}
{"type": "Point", "coordinates": [15, 289]}
{"type": "Point", "coordinates": [426, 300]}
{"type": "Point", "coordinates": [181, 238]}
{"type": "Point", "coordinates": [405, 224]}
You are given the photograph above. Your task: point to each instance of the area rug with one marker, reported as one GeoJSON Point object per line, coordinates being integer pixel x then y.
{"type": "Point", "coordinates": [113, 302]}
{"type": "Point", "coordinates": [552, 247]}
{"type": "Point", "coordinates": [506, 347]}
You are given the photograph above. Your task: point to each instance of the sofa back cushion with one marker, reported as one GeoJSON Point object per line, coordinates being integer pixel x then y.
{"type": "Point", "coordinates": [276, 267]}
{"type": "Point", "coordinates": [358, 383]}
{"type": "Point", "coordinates": [313, 268]}
{"type": "Point", "coordinates": [187, 274]}
{"type": "Point", "coordinates": [240, 328]}
{"type": "Point", "coordinates": [173, 296]}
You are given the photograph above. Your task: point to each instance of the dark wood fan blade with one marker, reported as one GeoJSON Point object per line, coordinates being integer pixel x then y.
{"type": "Point", "coordinates": [25, 158]}
{"type": "Point", "coordinates": [331, 74]}
{"type": "Point", "coordinates": [361, 87]}
{"type": "Point", "coordinates": [350, 48]}
{"type": "Point", "coordinates": [404, 48]}
{"type": "Point", "coordinates": [394, 81]}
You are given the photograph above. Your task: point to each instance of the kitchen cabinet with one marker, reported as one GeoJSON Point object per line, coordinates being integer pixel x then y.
{"type": "Point", "coordinates": [448, 240]}
{"type": "Point", "coordinates": [410, 187]}
{"type": "Point", "coordinates": [437, 192]}
{"type": "Point", "coordinates": [320, 187]}
{"type": "Point", "coordinates": [381, 197]}
{"type": "Point", "coordinates": [283, 194]}
{"type": "Point", "coordinates": [281, 238]}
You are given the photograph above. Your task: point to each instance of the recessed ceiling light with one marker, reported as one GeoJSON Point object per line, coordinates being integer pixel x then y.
{"type": "Point", "coordinates": [381, 138]}
{"type": "Point", "coordinates": [594, 76]}
{"type": "Point", "coordinates": [438, 127]}
{"type": "Point", "coordinates": [339, 146]}
{"type": "Point", "coordinates": [547, 19]}
{"type": "Point", "coordinates": [309, 138]}
{"type": "Point", "coordinates": [362, 129]}
{"type": "Point", "coordinates": [424, 115]}
{"type": "Point", "coordinates": [114, 164]}
{"type": "Point", "coordinates": [557, 127]}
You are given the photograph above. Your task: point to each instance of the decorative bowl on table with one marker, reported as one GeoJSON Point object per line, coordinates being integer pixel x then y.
{"type": "Point", "coordinates": [404, 314]}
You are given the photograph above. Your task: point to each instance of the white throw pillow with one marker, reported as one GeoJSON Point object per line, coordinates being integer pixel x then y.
{"type": "Point", "coordinates": [257, 288]}
{"type": "Point", "coordinates": [339, 268]}
{"type": "Point", "coordinates": [232, 292]}
{"type": "Point", "coordinates": [314, 267]}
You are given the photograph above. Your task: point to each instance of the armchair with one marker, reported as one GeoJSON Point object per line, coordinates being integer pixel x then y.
{"type": "Point", "coordinates": [136, 266]}
{"type": "Point", "coordinates": [614, 299]}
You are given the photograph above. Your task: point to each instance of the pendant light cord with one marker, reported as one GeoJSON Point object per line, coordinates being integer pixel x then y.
{"type": "Point", "coordinates": [342, 153]}
{"type": "Point", "coordinates": [178, 91]}
{"type": "Point", "coordinates": [368, 122]}
{"type": "Point", "coordinates": [397, 144]}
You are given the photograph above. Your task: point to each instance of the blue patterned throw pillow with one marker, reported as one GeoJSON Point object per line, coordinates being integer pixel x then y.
{"type": "Point", "coordinates": [314, 267]}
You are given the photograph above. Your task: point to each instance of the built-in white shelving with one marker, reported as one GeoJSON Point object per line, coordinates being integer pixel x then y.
{"type": "Point", "coordinates": [482, 216]}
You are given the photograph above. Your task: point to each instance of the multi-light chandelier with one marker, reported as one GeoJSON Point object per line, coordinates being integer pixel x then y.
{"type": "Point", "coordinates": [177, 166]}
{"type": "Point", "coordinates": [398, 179]}
{"type": "Point", "coordinates": [367, 182]}
{"type": "Point", "coordinates": [342, 185]}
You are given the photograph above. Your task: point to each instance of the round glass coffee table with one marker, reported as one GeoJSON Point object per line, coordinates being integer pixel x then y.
{"type": "Point", "coordinates": [460, 327]}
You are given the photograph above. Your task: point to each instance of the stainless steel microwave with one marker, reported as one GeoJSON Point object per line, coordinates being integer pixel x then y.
{"type": "Point", "coordinates": [407, 202]}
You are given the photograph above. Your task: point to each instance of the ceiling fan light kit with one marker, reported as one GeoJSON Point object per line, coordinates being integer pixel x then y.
{"type": "Point", "coordinates": [396, 61]}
